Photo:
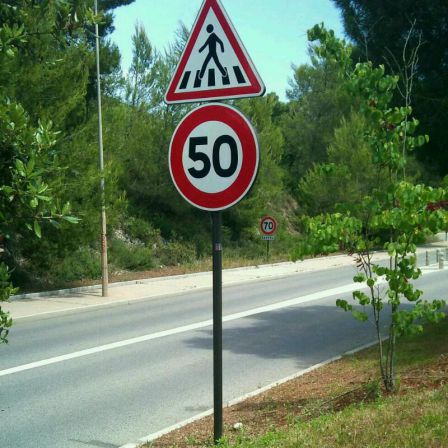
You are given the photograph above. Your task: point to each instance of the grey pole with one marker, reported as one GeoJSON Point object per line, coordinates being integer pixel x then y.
{"type": "Point", "coordinates": [427, 259]}
{"type": "Point", "coordinates": [441, 260]}
{"type": "Point", "coordinates": [104, 271]}
{"type": "Point", "coordinates": [217, 326]}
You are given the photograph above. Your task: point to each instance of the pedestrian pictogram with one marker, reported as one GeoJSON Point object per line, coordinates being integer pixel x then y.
{"type": "Point", "coordinates": [211, 44]}
{"type": "Point", "coordinates": [214, 64]}
{"type": "Point", "coordinates": [213, 157]}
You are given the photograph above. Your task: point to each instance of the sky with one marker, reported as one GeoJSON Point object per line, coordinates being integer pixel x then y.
{"type": "Point", "coordinates": [272, 31]}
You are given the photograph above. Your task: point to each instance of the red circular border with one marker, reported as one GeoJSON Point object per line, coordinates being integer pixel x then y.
{"type": "Point", "coordinates": [242, 127]}
{"type": "Point", "coordinates": [274, 230]}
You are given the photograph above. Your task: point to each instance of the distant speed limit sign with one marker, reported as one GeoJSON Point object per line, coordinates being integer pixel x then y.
{"type": "Point", "coordinates": [214, 157]}
{"type": "Point", "coordinates": [268, 226]}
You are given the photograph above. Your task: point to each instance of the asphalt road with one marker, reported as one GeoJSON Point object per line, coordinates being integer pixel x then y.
{"type": "Point", "coordinates": [108, 376]}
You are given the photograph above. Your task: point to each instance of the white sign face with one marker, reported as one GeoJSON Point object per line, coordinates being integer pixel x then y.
{"type": "Point", "coordinates": [268, 226]}
{"type": "Point", "coordinates": [214, 64]}
{"type": "Point", "coordinates": [228, 159]}
{"type": "Point", "coordinates": [214, 157]}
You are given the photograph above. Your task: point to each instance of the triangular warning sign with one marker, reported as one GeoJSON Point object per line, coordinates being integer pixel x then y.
{"type": "Point", "coordinates": [214, 65]}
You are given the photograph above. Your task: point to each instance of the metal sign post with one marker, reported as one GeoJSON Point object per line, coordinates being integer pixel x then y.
{"type": "Point", "coordinates": [214, 153]}
{"type": "Point", "coordinates": [268, 228]}
{"type": "Point", "coordinates": [213, 162]}
{"type": "Point", "coordinates": [217, 325]}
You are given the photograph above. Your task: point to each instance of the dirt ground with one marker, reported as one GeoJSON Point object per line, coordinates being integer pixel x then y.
{"type": "Point", "coordinates": [329, 388]}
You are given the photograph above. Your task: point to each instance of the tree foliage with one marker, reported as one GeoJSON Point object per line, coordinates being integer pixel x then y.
{"type": "Point", "coordinates": [390, 33]}
{"type": "Point", "coordinates": [325, 150]}
{"type": "Point", "coordinates": [349, 173]}
{"type": "Point", "coordinates": [393, 208]}
{"type": "Point", "coordinates": [317, 104]}
{"type": "Point", "coordinates": [27, 139]}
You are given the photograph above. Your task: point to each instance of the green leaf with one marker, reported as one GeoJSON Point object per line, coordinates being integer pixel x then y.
{"type": "Point", "coordinates": [344, 305]}
{"type": "Point", "coordinates": [71, 219]}
{"type": "Point", "coordinates": [37, 229]}
{"type": "Point", "coordinates": [44, 198]}
{"type": "Point", "coordinates": [361, 297]}
{"type": "Point", "coordinates": [360, 315]}
{"type": "Point", "coordinates": [20, 167]}
{"type": "Point", "coordinates": [359, 278]}
{"type": "Point", "coordinates": [30, 167]}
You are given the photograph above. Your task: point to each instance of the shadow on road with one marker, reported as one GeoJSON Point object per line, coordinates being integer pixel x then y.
{"type": "Point", "coordinates": [308, 334]}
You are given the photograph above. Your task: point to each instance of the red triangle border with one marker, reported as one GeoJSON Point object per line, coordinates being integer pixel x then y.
{"type": "Point", "coordinates": [256, 87]}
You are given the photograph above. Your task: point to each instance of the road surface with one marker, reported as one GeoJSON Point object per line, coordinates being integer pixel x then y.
{"type": "Point", "coordinates": [107, 376]}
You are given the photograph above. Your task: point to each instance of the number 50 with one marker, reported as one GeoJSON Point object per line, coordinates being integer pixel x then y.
{"type": "Point", "coordinates": [198, 156]}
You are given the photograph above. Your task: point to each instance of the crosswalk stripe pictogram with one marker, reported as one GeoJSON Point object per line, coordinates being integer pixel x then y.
{"type": "Point", "coordinates": [211, 78]}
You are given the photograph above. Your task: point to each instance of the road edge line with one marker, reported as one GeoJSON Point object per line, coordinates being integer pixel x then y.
{"type": "Point", "coordinates": [235, 401]}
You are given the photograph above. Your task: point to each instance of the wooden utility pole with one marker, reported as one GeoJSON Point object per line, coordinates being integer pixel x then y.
{"type": "Point", "coordinates": [104, 270]}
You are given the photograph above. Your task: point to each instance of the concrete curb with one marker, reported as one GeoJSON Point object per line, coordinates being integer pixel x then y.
{"type": "Point", "coordinates": [68, 291]}
{"type": "Point", "coordinates": [81, 289]}
{"type": "Point", "coordinates": [158, 434]}
{"type": "Point", "coordinates": [440, 240]}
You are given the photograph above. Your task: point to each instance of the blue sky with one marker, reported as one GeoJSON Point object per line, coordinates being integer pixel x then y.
{"type": "Point", "coordinates": [273, 31]}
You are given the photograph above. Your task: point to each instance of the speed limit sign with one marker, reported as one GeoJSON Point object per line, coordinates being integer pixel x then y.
{"type": "Point", "coordinates": [214, 157]}
{"type": "Point", "coordinates": [268, 226]}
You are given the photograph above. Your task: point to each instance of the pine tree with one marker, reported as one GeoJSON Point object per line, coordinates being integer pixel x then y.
{"type": "Point", "coordinates": [389, 33]}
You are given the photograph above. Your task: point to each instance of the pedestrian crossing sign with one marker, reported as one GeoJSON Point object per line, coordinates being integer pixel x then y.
{"type": "Point", "coordinates": [214, 65]}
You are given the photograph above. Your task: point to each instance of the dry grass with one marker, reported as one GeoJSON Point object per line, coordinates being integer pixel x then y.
{"type": "Point", "coordinates": [342, 405]}
{"type": "Point", "coordinates": [416, 419]}
{"type": "Point", "coordinates": [202, 265]}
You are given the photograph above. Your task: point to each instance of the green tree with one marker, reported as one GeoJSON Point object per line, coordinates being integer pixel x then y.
{"type": "Point", "coordinates": [390, 33]}
{"type": "Point", "coordinates": [342, 182]}
{"type": "Point", "coordinates": [26, 150]}
{"type": "Point", "coordinates": [141, 77]}
{"type": "Point", "coordinates": [394, 207]}
{"type": "Point", "coordinates": [317, 104]}
{"type": "Point", "coordinates": [56, 63]}
{"type": "Point", "coordinates": [46, 74]}
{"type": "Point", "coordinates": [139, 133]}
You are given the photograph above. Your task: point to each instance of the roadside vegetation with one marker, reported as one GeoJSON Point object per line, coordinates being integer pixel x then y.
{"type": "Point", "coordinates": [314, 156]}
{"type": "Point", "coordinates": [354, 160]}
{"type": "Point", "coordinates": [393, 213]}
{"type": "Point", "coordinates": [343, 404]}
{"type": "Point", "coordinates": [345, 163]}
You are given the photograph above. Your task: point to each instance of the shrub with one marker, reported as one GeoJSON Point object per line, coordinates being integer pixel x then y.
{"type": "Point", "coordinates": [141, 230]}
{"type": "Point", "coordinates": [84, 263]}
{"type": "Point", "coordinates": [176, 252]}
{"type": "Point", "coordinates": [123, 255]}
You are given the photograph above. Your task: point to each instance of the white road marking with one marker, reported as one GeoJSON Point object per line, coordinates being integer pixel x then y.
{"type": "Point", "coordinates": [206, 323]}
